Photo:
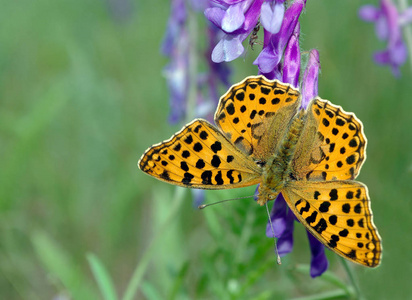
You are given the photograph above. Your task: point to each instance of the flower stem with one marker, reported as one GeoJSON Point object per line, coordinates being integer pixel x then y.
{"type": "Point", "coordinates": [403, 5]}
{"type": "Point", "coordinates": [351, 277]}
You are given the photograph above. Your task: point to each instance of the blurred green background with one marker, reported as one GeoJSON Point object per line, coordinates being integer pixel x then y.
{"type": "Point", "coordinates": [82, 96]}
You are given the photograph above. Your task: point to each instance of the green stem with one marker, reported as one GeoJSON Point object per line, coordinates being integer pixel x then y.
{"type": "Point", "coordinates": [150, 251]}
{"type": "Point", "coordinates": [351, 277]}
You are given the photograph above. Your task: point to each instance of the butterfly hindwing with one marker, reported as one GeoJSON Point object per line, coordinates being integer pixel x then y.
{"type": "Point", "coordinates": [199, 156]}
{"type": "Point", "coordinates": [332, 144]}
{"type": "Point", "coordinates": [254, 115]}
{"type": "Point", "coordinates": [338, 214]}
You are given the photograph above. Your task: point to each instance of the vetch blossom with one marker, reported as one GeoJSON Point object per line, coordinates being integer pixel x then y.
{"type": "Point", "coordinates": [274, 45]}
{"type": "Point", "coordinates": [281, 217]}
{"type": "Point", "coordinates": [388, 27]}
{"type": "Point", "coordinates": [217, 73]}
{"type": "Point", "coordinates": [237, 20]}
{"type": "Point", "coordinates": [180, 45]}
{"type": "Point", "coordinates": [176, 46]}
{"type": "Point", "coordinates": [271, 15]}
{"type": "Point", "coordinates": [310, 79]}
{"type": "Point", "coordinates": [291, 61]}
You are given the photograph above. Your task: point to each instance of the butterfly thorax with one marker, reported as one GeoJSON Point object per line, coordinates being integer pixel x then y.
{"type": "Point", "coordinates": [277, 171]}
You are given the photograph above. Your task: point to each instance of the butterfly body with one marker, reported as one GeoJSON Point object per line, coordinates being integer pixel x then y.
{"type": "Point", "coordinates": [311, 156]}
{"type": "Point", "coordinates": [277, 171]}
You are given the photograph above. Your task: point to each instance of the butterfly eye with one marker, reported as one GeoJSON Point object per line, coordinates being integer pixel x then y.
{"type": "Point", "coordinates": [261, 163]}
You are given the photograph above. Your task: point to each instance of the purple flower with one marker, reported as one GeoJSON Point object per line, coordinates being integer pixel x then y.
{"type": "Point", "coordinates": [281, 216]}
{"type": "Point", "coordinates": [271, 15]}
{"type": "Point", "coordinates": [310, 79]}
{"type": "Point", "coordinates": [291, 61]}
{"type": "Point", "coordinates": [274, 44]}
{"type": "Point", "coordinates": [217, 73]}
{"type": "Point", "coordinates": [388, 27]}
{"type": "Point", "coordinates": [176, 46]}
{"type": "Point", "coordinates": [283, 220]}
{"type": "Point", "coordinates": [175, 26]}
{"type": "Point", "coordinates": [237, 20]}
{"type": "Point", "coordinates": [318, 263]}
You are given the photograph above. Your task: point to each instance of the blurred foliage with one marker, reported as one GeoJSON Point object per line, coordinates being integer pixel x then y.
{"type": "Point", "coordinates": [82, 96]}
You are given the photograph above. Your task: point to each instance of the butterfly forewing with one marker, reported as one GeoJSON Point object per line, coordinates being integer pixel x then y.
{"type": "Point", "coordinates": [338, 214]}
{"type": "Point", "coordinates": [255, 114]}
{"type": "Point", "coordinates": [332, 144]}
{"type": "Point", "coordinates": [199, 156]}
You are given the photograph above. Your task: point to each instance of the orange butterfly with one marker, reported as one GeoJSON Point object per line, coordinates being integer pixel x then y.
{"type": "Point", "coordinates": [261, 137]}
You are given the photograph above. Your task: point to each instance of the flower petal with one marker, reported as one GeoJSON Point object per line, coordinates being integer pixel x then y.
{"type": "Point", "coordinates": [382, 29]}
{"type": "Point", "coordinates": [369, 13]}
{"type": "Point", "coordinates": [215, 15]}
{"type": "Point", "coordinates": [229, 48]}
{"type": "Point", "coordinates": [406, 17]}
{"type": "Point", "coordinates": [310, 78]}
{"type": "Point", "coordinates": [319, 263]}
{"type": "Point", "coordinates": [291, 61]}
{"type": "Point", "coordinates": [285, 241]}
{"type": "Point", "coordinates": [252, 15]}
{"type": "Point", "coordinates": [272, 16]}
{"type": "Point", "coordinates": [233, 18]}
{"type": "Point", "coordinates": [267, 60]}
{"type": "Point", "coordinates": [278, 216]}
{"type": "Point", "coordinates": [198, 197]}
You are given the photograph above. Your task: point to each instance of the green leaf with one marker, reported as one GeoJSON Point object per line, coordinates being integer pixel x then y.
{"type": "Point", "coordinates": [59, 264]}
{"type": "Point", "coordinates": [178, 283]}
{"type": "Point", "coordinates": [102, 277]}
{"type": "Point", "coordinates": [150, 292]}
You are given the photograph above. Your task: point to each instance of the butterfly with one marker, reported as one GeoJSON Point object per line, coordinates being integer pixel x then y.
{"type": "Point", "coordinates": [262, 136]}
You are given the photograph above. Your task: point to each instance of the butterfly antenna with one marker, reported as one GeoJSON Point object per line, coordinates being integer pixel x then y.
{"type": "Point", "coordinates": [218, 202]}
{"type": "Point", "coordinates": [274, 238]}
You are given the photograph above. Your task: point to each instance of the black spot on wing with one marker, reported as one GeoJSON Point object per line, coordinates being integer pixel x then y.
{"type": "Point", "coordinates": [200, 164]}
{"type": "Point", "coordinates": [215, 161]}
{"type": "Point", "coordinates": [312, 217]}
{"type": "Point", "coordinates": [333, 219]}
{"type": "Point", "coordinates": [321, 226]}
{"type": "Point", "coordinates": [265, 90]}
{"type": "Point", "coordinates": [305, 209]}
{"type": "Point", "coordinates": [216, 146]}
{"type": "Point", "coordinates": [230, 109]}
{"type": "Point", "coordinates": [206, 177]}
{"type": "Point", "coordinates": [333, 194]}
{"type": "Point", "coordinates": [344, 233]}
{"type": "Point", "coordinates": [230, 176]}
{"type": "Point", "coordinates": [197, 147]}
{"type": "Point", "coordinates": [184, 166]}
{"type": "Point", "coordinates": [218, 178]}
{"type": "Point", "coordinates": [324, 207]}
{"type": "Point", "coordinates": [240, 96]}
{"type": "Point", "coordinates": [165, 175]}
{"type": "Point", "coordinates": [187, 178]}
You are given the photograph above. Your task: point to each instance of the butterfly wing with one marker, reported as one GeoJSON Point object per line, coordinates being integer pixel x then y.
{"type": "Point", "coordinates": [255, 114]}
{"type": "Point", "coordinates": [332, 144]}
{"type": "Point", "coordinates": [338, 214]}
{"type": "Point", "coordinates": [199, 156]}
